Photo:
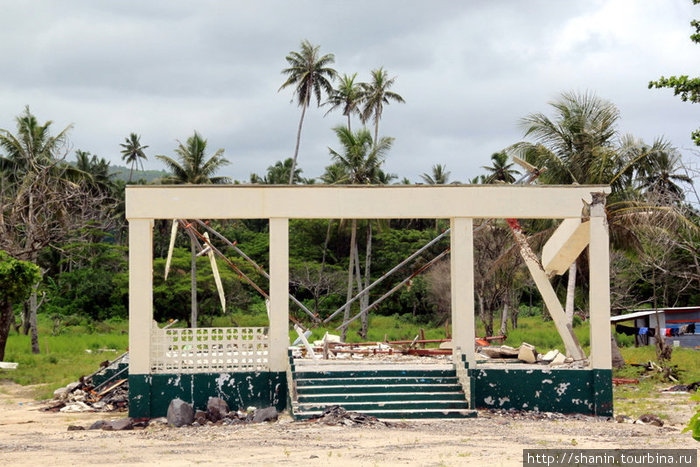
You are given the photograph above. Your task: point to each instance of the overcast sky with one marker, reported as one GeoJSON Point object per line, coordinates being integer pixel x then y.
{"type": "Point", "coordinates": [468, 70]}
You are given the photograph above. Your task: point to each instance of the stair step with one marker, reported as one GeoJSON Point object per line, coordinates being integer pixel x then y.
{"type": "Point", "coordinates": [385, 406]}
{"type": "Point", "coordinates": [402, 414]}
{"type": "Point", "coordinates": [348, 381]}
{"type": "Point", "coordinates": [340, 399]}
{"type": "Point", "coordinates": [374, 373]}
{"type": "Point", "coordinates": [377, 388]}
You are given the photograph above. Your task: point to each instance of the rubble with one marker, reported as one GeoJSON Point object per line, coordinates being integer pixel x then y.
{"type": "Point", "coordinates": [527, 353]}
{"type": "Point", "coordinates": [217, 409]}
{"type": "Point", "coordinates": [180, 413]}
{"type": "Point", "coordinates": [337, 415]}
{"type": "Point", "coordinates": [650, 419]}
{"type": "Point", "coordinates": [268, 414]}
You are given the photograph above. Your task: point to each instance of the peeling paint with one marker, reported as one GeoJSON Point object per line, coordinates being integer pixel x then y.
{"type": "Point", "coordinates": [547, 381]}
{"type": "Point", "coordinates": [537, 393]}
{"type": "Point", "coordinates": [503, 400]}
{"type": "Point", "coordinates": [561, 389]}
{"type": "Point", "coordinates": [492, 385]}
{"type": "Point", "coordinates": [489, 400]}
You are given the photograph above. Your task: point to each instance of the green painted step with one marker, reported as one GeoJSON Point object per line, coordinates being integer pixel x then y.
{"type": "Point", "coordinates": [377, 388]}
{"type": "Point", "coordinates": [301, 374]}
{"type": "Point", "coordinates": [386, 406]}
{"type": "Point", "coordinates": [340, 399]}
{"type": "Point", "coordinates": [341, 381]}
{"type": "Point", "coordinates": [403, 414]}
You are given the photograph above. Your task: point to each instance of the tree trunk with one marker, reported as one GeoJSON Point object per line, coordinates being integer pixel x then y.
{"type": "Point", "coordinates": [364, 300]}
{"type": "Point", "coordinates": [570, 294]}
{"type": "Point", "coordinates": [346, 312]}
{"type": "Point", "coordinates": [193, 272]}
{"type": "Point", "coordinates": [504, 319]}
{"type": "Point", "coordinates": [6, 318]}
{"type": "Point", "coordinates": [26, 313]}
{"type": "Point", "coordinates": [32, 321]}
{"type": "Point", "coordinates": [323, 261]}
{"type": "Point", "coordinates": [296, 149]}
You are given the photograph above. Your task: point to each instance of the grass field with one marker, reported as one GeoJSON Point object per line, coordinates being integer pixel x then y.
{"type": "Point", "coordinates": [75, 351]}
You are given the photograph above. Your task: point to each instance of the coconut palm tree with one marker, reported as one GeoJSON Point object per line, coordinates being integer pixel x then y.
{"type": "Point", "coordinates": [133, 152]}
{"type": "Point", "coordinates": [361, 161]}
{"type": "Point", "coordinates": [348, 96]}
{"type": "Point", "coordinates": [192, 167]}
{"type": "Point", "coordinates": [659, 172]}
{"type": "Point", "coordinates": [310, 74]}
{"type": "Point", "coordinates": [376, 95]}
{"type": "Point", "coordinates": [500, 171]}
{"type": "Point", "coordinates": [439, 175]}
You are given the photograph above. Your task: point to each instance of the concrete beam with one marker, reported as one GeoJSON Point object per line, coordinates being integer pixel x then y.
{"type": "Point", "coordinates": [140, 295]}
{"type": "Point", "coordinates": [565, 245]}
{"type": "Point", "coordinates": [462, 286]}
{"type": "Point", "coordinates": [359, 202]}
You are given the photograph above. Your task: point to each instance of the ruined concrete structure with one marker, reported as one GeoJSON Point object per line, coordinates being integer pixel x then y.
{"type": "Point", "coordinates": [249, 366]}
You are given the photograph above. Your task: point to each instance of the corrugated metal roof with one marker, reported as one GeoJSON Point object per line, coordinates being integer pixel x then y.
{"type": "Point", "coordinates": [640, 313]}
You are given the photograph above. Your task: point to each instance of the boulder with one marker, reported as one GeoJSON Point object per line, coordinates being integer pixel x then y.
{"type": "Point", "coordinates": [97, 425]}
{"type": "Point", "coordinates": [268, 414]}
{"type": "Point", "coordinates": [217, 409]}
{"type": "Point", "coordinates": [527, 353]}
{"type": "Point", "coordinates": [180, 413]}
{"type": "Point", "coordinates": [122, 424]}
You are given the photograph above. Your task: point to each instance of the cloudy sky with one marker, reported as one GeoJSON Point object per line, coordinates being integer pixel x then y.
{"type": "Point", "coordinates": [468, 71]}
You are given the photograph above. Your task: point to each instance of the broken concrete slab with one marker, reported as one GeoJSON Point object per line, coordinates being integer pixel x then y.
{"type": "Point", "coordinates": [549, 356]}
{"type": "Point", "coordinates": [499, 351]}
{"type": "Point", "coordinates": [560, 359]}
{"type": "Point", "coordinates": [527, 353]}
{"type": "Point", "coordinates": [180, 413]}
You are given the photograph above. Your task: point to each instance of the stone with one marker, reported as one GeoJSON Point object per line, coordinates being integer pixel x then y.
{"type": "Point", "coordinates": [97, 425]}
{"type": "Point", "coordinates": [122, 424]}
{"type": "Point", "coordinates": [159, 421]}
{"type": "Point", "coordinates": [650, 419]}
{"type": "Point", "coordinates": [180, 413]}
{"type": "Point", "coordinates": [268, 414]}
{"type": "Point", "coordinates": [217, 409]}
{"type": "Point", "coordinates": [75, 427]}
{"type": "Point", "coordinates": [527, 353]}
{"type": "Point", "coordinates": [200, 417]}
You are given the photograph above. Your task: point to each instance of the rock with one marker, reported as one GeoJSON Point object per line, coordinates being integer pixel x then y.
{"type": "Point", "coordinates": [200, 416]}
{"type": "Point", "coordinates": [217, 409]}
{"type": "Point", "coordinates": [560, 359]}
{"type": "Point", "coordinates": [623, 419]}
{"type": "Point", "coordinates": [268, 414]}
{"type": "Point", "coordinates": [75, 427]}
{"type": "Point", "coordinates": [97, 425]}
{"type": "Point", "coordinates": [180, 413]}
{"type": "Point", "coordinates": [527, 353]}
{"type": "Point", "coordinates": [650, 419]}
{"type": "Point", "coordinates": [122, 424]}
{"type": "Point", "coordinates": [159, 421]}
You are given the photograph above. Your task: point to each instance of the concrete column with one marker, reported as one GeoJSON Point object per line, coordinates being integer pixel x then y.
{"type": "Point", "coordinates": [140, 295]}
{"type": "Point", "coordinates": [599, 293]}
{"type": "Point", "coordinates": [279, 294]}
{"type": "Point", "coordinates": [462, 278]}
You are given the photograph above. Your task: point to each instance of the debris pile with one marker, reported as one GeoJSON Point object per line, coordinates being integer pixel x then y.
{"type": "Point", "coordinates": [181, 413]}
{"type": "Point", "coordinates": [337, 415]}
{"type": "Point", "coordinates": [105, 390]}
{"type": "Point", "coordinates": [526, 353]}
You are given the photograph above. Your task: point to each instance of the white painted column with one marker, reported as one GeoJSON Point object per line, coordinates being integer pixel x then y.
{"type": "Point", "coordinates": [140, 295]}
{"type": "Point", "coordinates": [599, 292]}
{"type": "Point", "coordinates": [462, 286]}
{"type": "Point", "coordinates": [279, 294]}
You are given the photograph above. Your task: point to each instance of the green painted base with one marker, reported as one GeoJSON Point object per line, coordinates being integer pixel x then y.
{"type": "Point", "coordinates": [150, 395]}
{"type": "Point", "coordinates": [547, 390]}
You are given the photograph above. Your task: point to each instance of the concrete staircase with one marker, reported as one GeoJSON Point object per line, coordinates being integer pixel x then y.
{"type": "Point", "coordinates": [403, 391]}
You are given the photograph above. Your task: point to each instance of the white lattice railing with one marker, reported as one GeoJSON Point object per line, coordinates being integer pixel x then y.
{"type": "Point", "coordinates": [205, 350]}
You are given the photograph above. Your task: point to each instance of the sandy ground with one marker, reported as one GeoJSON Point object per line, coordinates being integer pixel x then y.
{"type": "Point", "coordinates": [29, 436]}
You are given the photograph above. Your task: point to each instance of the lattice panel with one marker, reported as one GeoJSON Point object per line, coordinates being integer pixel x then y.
{"type": "Point", "coordinates": [205, 350]}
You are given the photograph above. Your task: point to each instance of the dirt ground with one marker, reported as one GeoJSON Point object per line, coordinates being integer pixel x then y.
{"type": "Point", "coordinates": [29, 436]}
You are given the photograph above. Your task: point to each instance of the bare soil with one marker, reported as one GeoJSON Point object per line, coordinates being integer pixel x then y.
{"type": "Point", "coordinates": [29, 436]}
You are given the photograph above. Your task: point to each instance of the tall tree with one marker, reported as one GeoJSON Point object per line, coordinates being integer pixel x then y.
{"type": "Point", "coordinates": [500, 170]}
{"type": "Point", "coordinates": [17, 280]}
{"type": "Point", "coordinates": [360, 160]}
{"type": "Point", "coordinates": [132, 152]}
{"type": "Point", "coordinates": [439, 175]}
{"type": "Point", "coordinates": [278, 174]}
{"type": "Point", "coordinates": [687, 88]}
{"type": "Point", "coordinates": [348, 96]}
{"type": "Point", "coordinates": [192, 167]}
{"type": "Point", "coordinates": [311, 75]}
{"type": "Point", "coordinates": [376, 95]}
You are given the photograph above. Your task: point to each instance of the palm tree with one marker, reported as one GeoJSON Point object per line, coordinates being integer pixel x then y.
{"type": "Point", "coordinates": [360, 161]}
{"type": "Point", "coordinates": [133, 152]}
{"type": "Point", "coordinates": [311, 76]}
{"type": "Point", "coordinates": [347, 95]}
{"type": "Point", "coordinates": [376, 94]}
{"type": "Point", "coordinates": [439, 175]}
{"type": "Point", "coordinates": [192, 167]}
{"type": "Point", "coordinates": [658, 173]}
{"type": "Point", "coordinates": [500, 171]}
